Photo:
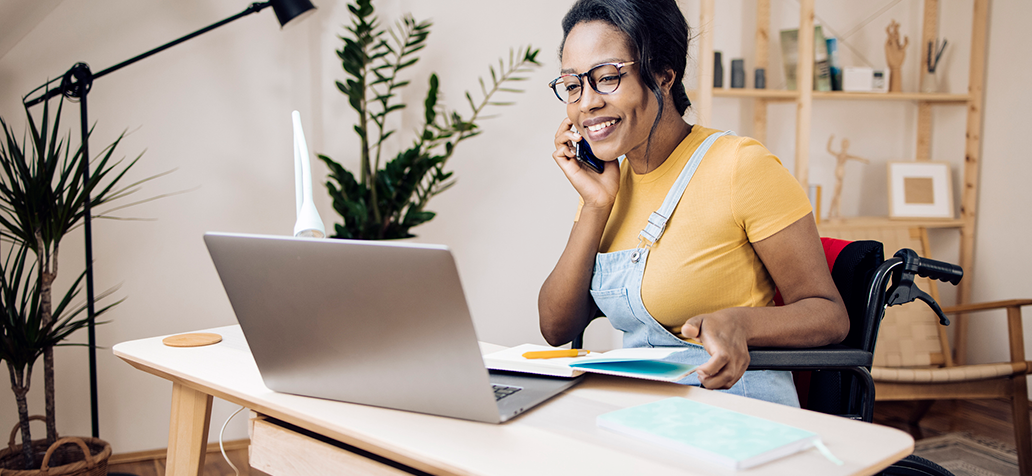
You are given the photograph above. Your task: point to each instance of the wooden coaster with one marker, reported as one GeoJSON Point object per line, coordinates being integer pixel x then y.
{"type": "Point", "coordinates": [195, 339]}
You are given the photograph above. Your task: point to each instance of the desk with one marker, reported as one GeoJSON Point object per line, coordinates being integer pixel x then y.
{"type": "Point", "coordinates": [558, 437]}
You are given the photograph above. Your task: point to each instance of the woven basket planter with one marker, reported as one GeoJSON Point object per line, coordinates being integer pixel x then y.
{"type": "Point", "coordinates": [69, 456]}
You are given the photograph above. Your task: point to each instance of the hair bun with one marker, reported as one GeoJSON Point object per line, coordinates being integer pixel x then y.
{"type": "Point", "coordinates": [681, 101]}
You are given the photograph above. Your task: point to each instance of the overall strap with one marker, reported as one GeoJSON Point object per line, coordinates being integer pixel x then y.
{"type": "Point", "coordinates": [658, 220]}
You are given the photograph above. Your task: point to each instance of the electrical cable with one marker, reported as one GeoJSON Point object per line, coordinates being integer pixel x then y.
{"type": "Point", "coordinates": [222, 447]}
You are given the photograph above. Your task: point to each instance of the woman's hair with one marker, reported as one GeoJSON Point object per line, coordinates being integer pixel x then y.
{"type": "Point", "coordinates": [656, 31]}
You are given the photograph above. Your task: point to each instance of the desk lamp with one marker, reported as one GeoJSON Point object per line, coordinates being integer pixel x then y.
{"type": "Point", "coordinates": [76, 83]}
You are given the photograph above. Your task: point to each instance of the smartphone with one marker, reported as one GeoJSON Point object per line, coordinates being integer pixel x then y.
{"type": "Point", "coordinates": [587, 158]}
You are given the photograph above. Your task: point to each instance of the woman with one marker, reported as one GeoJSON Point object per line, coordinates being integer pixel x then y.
{"type": "Point", "coordinates": [682, 242]}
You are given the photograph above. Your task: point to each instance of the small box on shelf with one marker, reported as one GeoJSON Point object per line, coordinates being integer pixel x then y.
{"type": "Point", "coordinates": [862, 79]}
{"type": "Point", "coordinates": [738, 73]}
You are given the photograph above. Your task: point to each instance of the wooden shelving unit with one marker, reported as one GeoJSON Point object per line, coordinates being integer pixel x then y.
{"type": "Point", "coordinates": [918, 97]}
{"type": "Point", "coordinates": [883, 222]}
{"type": "Point", "coordinates": [805, 96]}
{"type": "Point", "coordinates": [783, 95]}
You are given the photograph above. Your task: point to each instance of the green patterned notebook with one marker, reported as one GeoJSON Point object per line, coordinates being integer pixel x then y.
{"type": "Point", "coordinates": [726, 437]}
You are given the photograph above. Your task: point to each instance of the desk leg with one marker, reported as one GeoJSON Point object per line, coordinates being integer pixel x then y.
{"type": "Point", "coordinates": [188, 431]}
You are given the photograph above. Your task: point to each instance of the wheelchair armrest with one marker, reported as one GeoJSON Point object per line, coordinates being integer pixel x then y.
{"type": "Point", "coordinates": [834, 356]}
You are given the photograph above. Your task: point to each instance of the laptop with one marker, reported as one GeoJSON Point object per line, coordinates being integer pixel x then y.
{"type": "Point", "coordinates": [367, 322]}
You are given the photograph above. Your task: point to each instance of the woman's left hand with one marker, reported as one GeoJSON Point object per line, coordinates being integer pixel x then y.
{"type": "Point", "coordinates": [725, 339]}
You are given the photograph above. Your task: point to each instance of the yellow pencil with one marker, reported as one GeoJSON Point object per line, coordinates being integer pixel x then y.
{"type": "Point", "coordinates": [552, 354]}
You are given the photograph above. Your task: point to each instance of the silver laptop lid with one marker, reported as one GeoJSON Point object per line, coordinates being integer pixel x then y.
{"type": "Point", "coordinates": [376, 323]}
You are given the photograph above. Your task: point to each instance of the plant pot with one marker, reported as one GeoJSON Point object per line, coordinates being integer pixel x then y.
{"type": "Point", "coordinates": [69, 456]}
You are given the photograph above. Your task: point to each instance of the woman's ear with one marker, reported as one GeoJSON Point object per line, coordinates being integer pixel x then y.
{"type": "Point", "coordinates": [665, 79]}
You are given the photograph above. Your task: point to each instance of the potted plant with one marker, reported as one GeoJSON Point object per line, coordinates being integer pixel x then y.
{"type": "Point", "coordinates": [390, 196]}
{"type": "Point", "coordinates": [41, 200]}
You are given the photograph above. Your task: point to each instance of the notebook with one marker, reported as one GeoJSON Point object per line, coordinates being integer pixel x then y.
{"type": "Point", "coordinates": [645, 363]}
{"type": "Point", "coordinates": [710, 433]}
{"type": "Point", "coordinates": [374, 323]}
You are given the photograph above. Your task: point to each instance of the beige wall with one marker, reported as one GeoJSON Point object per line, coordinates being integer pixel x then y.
{"type": "Point", "coordinates": [216, 109]}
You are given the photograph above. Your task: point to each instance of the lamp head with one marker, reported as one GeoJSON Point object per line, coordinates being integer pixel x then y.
{"type": "Point", "coordinates": [290, 10]}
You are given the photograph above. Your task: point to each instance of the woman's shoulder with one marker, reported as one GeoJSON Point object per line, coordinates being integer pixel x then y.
{"type": "Point", "coordinates": [733, 148]}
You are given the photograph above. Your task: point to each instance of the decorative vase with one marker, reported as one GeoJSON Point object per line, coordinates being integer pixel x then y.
{"type": "Point", "coordinates": [930, 82]}
{"type": "Point", "coordinates": [69, 456]}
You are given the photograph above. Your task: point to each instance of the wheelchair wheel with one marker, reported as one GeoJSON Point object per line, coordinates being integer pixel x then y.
{"type": "Point", "coordinates": [915, 466]}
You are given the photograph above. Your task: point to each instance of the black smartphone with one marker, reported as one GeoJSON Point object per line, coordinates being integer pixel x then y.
{"type": "Point", "coordinates": [587, 158]}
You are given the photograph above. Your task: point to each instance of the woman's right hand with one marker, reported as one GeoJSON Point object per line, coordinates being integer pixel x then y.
{"type": "Point", "coordinates": [597, 190]}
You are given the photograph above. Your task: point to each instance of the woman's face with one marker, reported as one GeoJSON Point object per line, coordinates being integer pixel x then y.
{"type": "Point", "coordinates": [617, 123]}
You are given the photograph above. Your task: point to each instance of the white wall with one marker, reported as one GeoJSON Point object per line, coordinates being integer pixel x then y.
{"type": "Point", "coordinates": [1002, 256]}
{"type": "Point", "coordinates": [216, 109]}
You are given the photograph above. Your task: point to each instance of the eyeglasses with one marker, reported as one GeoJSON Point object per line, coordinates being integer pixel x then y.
{"type": "Point", "coordinates": [603, 78]}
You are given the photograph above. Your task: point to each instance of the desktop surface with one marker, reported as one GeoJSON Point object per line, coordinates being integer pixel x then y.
{"type": "Point", "coordinates": [559, 436]}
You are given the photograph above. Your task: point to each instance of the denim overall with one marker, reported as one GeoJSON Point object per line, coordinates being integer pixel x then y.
{"type": "Point", "coordinates": [616, 288]}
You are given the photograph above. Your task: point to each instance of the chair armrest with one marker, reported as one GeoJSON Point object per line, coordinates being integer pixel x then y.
{"type": "Point", "coordinates": [827, 357]}
{"type": "Point", "coordinates": [985, 306]}
{"type": "Point", "coordinates": [1015, 334]}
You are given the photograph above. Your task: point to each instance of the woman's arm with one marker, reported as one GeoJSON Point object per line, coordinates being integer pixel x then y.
{"type": "Point", "coordinates": [813, 314]}
{"type": "Point", "coordinates": [565, 305]}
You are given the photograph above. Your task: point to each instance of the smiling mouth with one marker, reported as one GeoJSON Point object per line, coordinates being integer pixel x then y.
{"type": "Point", "coordinates": [600, 126]}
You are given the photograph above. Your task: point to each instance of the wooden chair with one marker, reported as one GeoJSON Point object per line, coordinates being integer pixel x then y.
{"type": "Point", "coordinates": [913, 359]}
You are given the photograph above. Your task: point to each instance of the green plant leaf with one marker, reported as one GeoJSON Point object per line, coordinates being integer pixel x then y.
{"type": "Point", "coordinates": [416, 218]}
{"type": "Point", "coordinates": [390, 197]}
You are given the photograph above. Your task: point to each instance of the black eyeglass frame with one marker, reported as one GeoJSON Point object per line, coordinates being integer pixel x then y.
{"type": "Point", "coordinates": [591, 82]}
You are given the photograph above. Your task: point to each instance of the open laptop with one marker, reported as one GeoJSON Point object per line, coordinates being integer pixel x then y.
{"type": "Point", "coordinates": [375, 323]}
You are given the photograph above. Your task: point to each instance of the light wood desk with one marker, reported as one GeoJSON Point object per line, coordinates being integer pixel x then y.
{"type": "Point", "coordinates": [558, 437]}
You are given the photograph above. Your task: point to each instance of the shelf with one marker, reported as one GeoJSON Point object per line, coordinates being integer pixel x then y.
{"type": "Point", "coordinates": [773, 94]}
{"type": "Point", "coordinates": [805, 100]}
{"type": "Point", "coordinates": [886, 222]}
{"type": "Point", "coordinates": [786, 95]}
{"type": "Point", "coordinates": [921, 97]}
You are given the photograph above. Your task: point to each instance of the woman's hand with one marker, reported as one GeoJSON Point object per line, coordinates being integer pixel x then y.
{"type": "Point", "coordinates": [813, 314]}
{"type": "Point", "coordinates": [597, 190]}
{"type": "Point", "coordinates": [726, 340]}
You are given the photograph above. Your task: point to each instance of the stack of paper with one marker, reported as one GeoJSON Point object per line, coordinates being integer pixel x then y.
{"type": "Point", "coordinates": [646, 363]}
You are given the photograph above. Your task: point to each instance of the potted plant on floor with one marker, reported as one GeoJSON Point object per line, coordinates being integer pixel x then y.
{"type": "Point", "coordinates": [41, 200]}
{"type": "Point", "coordinates": [386, 202]}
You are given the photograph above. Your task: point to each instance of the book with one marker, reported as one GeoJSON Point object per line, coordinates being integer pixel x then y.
{"type": "Point", "coordinates": [644, 363]}
{"type": "Point", "coordinates": [710, 433]}
{"type": "Point", "coordinates": [821, 61]}
{"type": "Point", "coordinates": [814, 194]}
{"type": "Point", "coordinates": [790, 59]}
{"type": "Point", "coordinates": [790, 56]}
{"type": "Point", "coordinates": [834, 64]}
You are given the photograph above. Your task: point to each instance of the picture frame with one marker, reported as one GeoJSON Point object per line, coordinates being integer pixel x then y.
{"type": "Point", "coordinates": [920, 190]}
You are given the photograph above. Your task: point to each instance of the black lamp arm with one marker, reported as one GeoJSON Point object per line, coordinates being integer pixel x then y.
{"type": "Point", "coordinates": [80, 72]}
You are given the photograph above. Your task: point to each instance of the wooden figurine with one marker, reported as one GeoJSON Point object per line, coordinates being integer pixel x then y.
{"type": "Point", "coordinates": [895, 53]}
{"type": "Point", "coordinates": [840, 172]}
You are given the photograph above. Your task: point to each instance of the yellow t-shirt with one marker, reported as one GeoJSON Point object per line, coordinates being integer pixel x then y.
{"type": "Point", "coordinates": [704, 262]}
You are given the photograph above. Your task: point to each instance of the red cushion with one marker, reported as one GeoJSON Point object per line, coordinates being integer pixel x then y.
{"type": "Point", "coordinates": [832, 248]}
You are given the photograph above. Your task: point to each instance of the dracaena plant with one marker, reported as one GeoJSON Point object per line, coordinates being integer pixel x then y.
{"type": "Point", "coordinates": [390, 195]}
{"type": "Point", "coordinates": [26, 333]}
{"type": "Point", "coordinates": [42, 191]}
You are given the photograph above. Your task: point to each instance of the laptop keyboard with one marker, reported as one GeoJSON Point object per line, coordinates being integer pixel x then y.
{"type": "Point", "coordinates": [502, 391]}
